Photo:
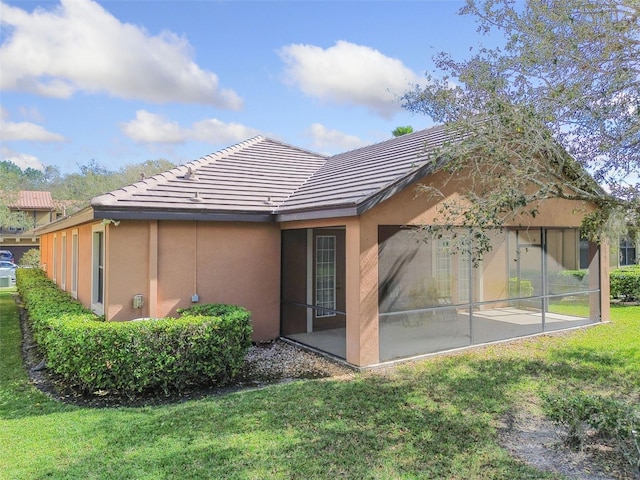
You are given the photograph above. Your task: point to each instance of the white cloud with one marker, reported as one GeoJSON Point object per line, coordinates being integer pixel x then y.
{"type": "Point", "coordinates": [152, 128]}
{"type": "Point", "coordinates": [324, 139]}
{"type": "Point", "coordinates": [349, 74]}
{"type": "Point", "coordinates": [79, 46]}
{"type": "Point", "coordinates": [22, 160]}
{"type": "Point", "coordinates": [15, 131]}
{"type": "Point", "coordinates": [27, 131]}
{"type": "Point", "coordinates": [214, 131]}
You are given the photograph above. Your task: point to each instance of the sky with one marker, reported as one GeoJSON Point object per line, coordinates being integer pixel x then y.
{"type": "Point", "coordinates": [122, 82]}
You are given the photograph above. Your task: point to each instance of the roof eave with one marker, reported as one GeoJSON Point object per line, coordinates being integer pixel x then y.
{"type": "Point", "coordinates": [318, 213]}
{"type": "Point", "coordinates": [199, 215]}
{"type": "Point", "coordinates": [77, 218]}
{"type": "Point", "coordinates": [361, 206]}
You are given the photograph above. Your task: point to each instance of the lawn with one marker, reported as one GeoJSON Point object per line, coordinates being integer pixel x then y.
{"type": "Point", "coordinates": [435, 418]}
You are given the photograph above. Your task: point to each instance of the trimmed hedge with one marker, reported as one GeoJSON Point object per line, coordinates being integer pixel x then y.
{"type": "Point", "coordinates": [625, 283]}
{"type": "Point", "coordinates": [138, 356]}
{"type": "Point", "coordinates": [522, 288]}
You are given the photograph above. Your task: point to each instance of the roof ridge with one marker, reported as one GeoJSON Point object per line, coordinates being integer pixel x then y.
{"type": "Point", "coordinates": [401, 138]}
{"type": "Point", "coordinates": [155, 180]}
{"type": "Point", "coordinates": [324, 158]}
{"type": "Point", "coordinates": [304, 150]}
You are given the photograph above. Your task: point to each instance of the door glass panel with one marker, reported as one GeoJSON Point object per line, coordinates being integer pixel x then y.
{"type": "Point", "coordinates": [325, 275]}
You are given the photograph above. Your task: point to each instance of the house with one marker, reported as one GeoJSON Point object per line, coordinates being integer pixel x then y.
{"type": "Point", "coordinates": [320, 250]}
{"type": "Point", "coordinates": [627, 252]}
{"type": "Point", "coordinates": [39, 208]}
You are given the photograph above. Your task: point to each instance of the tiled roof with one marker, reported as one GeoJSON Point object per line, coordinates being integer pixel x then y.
{"type": "Point", "coordinates": [356, 180]}
{"type": "Point", "coordinates": [34, 200]}
{"type": "Point", "coordinates": [262, 179]}
{"type": "Point", "coordinates": [251, 178]}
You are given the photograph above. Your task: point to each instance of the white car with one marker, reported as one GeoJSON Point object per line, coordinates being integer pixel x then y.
{"type": "Point", "coordinates": [8, 269]}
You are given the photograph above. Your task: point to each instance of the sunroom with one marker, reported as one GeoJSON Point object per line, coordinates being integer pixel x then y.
{"type": "Point", "coordinates": [431, 295]}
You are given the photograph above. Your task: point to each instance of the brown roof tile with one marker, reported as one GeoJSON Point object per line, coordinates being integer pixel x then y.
{"type": "Point", "coordinates": [34, 200]}
{"type": "Point", "coordinates": [355, 179]}
{"type": "Point", "coordinates": [263, 179]}
{"type": "Point", "coordinates": [252, 177]}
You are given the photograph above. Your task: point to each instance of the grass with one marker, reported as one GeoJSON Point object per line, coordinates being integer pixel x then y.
{"type": "Point", "coordinates": [431, 419]}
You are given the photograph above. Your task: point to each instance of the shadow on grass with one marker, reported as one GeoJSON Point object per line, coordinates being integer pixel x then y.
{"type": "Point", "coordinates": [431, 419]}
{"type": "Point", "coordinates": [438, 423]}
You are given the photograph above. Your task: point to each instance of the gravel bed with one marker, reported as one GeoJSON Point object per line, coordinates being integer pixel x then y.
{"type": "Point", "coordinates": [279, 360]}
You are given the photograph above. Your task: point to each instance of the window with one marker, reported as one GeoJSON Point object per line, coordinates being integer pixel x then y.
{"type": "Point", "coordinates": [74, 264]}
{"type": "Point", "coordinates": [54, 271]}
{"type": "Point", "coordinates": [627, 251]}
{"type": "Point", "coordinates": [325, 274]}
{"type": "Point", "coordinates": [464, 277]}
{"type": "Point", "coordinates": [63, 264]}
{"type": "Point", "coordinates": [97, 284]}
{"type": "Point", "coordinates": [443, 267]}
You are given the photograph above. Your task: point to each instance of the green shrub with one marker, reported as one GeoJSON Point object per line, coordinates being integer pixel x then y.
{"type": "Point", "coordinates": [625, 283]}
{"type": "Point", "coordinates": [132, 357]}
{"type": "Point", "coordinates": [30, 259]}
{"type": "Point", "coordinates": [525, 288]}
{"type": "Point", "coordinates": [611, 419]}
{"type": "Point", "coordinates": [209, 309]}
{"type": "Point", "coordinates": [568, 281]}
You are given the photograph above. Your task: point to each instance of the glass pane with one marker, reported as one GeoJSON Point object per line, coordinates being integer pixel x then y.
{"type": "Point", "coordinates": [563, 259]}
{"type": "Point", "coordinates": [325, 274]}
{"type": "Point", "coordinates": [572, 311]}
{"type": "Point", "coordinates": [299, 320]}
{"type": "Point", "coordinates": [525, 265]}
{"type": "Point", "coordinates": [509, 319]}
{"type": "Point", "coordinates": [426, 331]}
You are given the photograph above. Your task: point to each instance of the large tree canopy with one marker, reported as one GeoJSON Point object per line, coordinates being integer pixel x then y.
{"type": "Point", "coordinates": [566, 81]}
{"type": "Point", "coordinates": [75, 189]}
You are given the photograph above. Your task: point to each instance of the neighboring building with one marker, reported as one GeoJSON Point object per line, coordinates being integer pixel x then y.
{"type": "Point", "coordinates": [318, 249]}
{"type": "Point", "coordinates": [40, 210]}
{"type": "Point", "coordinates": [627, 251]}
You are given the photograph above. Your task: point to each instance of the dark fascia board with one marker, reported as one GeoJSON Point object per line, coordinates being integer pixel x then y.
{"type": "Point", "coordinates": [318, 213]}
{"type": "Point", "coordinates": [210, 216]}
{"type": "Point", "coordinates": [78, 218]}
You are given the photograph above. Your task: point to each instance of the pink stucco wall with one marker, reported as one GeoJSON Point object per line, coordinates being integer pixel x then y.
{"type": "Point", "coordinates": [167, 262]}
{"type": "Point", "coordinates": [221, 262]}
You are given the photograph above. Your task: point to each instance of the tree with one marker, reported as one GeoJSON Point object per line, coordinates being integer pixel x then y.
{"type": "Point", "coordinates": [93, 179]}
{"type": "Point", "coordinates": [10, 218]}
{"type": "Point", "coordinates": [560, 99]}
{"type": "Point", "coordinates": [399, 131]}
{"type": "Point", "coordinates": [30, 258]}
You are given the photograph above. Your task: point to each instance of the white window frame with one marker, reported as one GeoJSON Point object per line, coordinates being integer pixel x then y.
{"type": "Point", "coordinates": [441, 265]}
{"type": "Point", "coordinates": [54, 259]}
{"type": "Point", "coordinates": [325, 284]}
{"type": "Point", "coordinates": [98, 241]}
{"type": "Point", "coordinates": [74, 263]}
{"type": "Point", "coordinates": [63, 261]}
{"type": "Point", "coordinates": [464, 277]}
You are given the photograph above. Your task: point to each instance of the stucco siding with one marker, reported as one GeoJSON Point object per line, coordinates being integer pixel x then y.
{"type": "Point", "coordinates": [127, 269]}
{"type": "Point", "coordinates": [235, 263]}
{"type": "Point", "coordinates": [47, 258]}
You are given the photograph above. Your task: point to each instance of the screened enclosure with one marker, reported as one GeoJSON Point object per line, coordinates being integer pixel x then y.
{"type": "Point", "coordinates": [433, 298]}
{"type": "Point", "coordinates": [313, 288]}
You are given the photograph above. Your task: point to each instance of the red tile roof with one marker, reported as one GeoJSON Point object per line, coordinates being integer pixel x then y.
{"type": "Point", "coordinates": [34, 200]}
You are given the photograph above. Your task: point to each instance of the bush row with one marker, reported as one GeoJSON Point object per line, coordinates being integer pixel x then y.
{"type": "Point", "coordinates": [206, 345]}
{"type": "Point", "coordinates": [625, 283]}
